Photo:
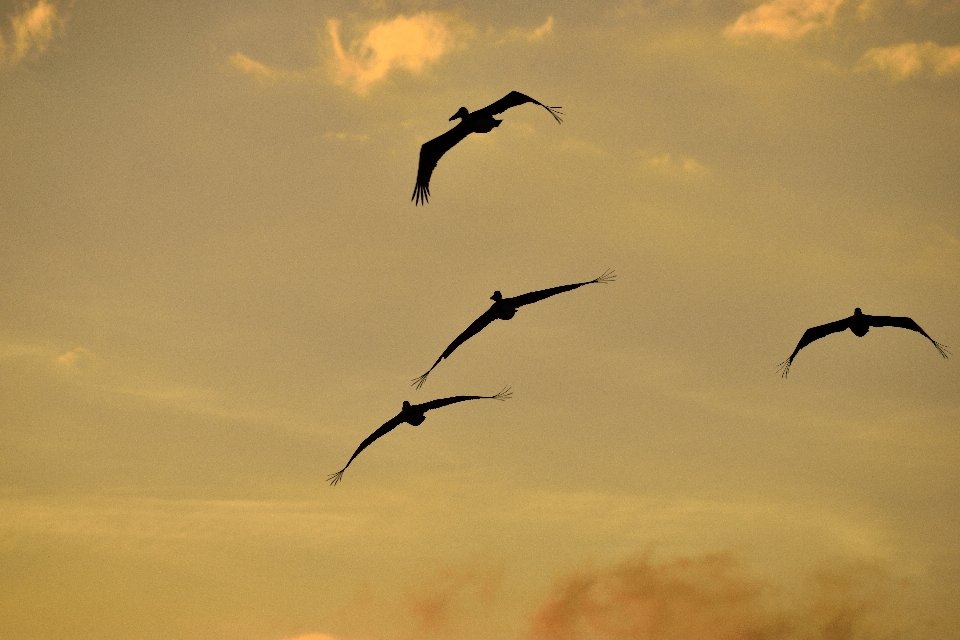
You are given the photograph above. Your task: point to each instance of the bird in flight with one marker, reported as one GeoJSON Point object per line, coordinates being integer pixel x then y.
{"type": "Point", "coordinates": [504, 309]}
{"type": "Point", "coordinates": [480, 121]}
{"type": "Point", "coordinates": [411, 414]}
{"type": "Point", "coordinates": [859, 323]}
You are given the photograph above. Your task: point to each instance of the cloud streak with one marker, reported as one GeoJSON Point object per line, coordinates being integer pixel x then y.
{"type": "Point", "coordinates": [784, 19]}
{"type": "Point", "coordinates": [402, 43]}
{"type": "Point", "coordinates": [33, 29]}
{"type": "Point", "coordinates": [259, 70]}
{"type": "Point", "coordinates": [909, 59]}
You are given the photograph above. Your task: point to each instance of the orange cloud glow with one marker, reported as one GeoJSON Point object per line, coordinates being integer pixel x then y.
{"type": "Point", "coordinates": [906, 60]}
{"type": "Point", "coordinates": [401, 43]}
{"type": "Point", "coordinates": [784, 19]}
{"type": "Point", "coordinates": [713, 597]}
{"type": "Point", "coordinates": [33, 29]}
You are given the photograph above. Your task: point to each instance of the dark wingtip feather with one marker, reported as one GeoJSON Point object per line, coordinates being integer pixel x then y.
{"type": "Point", "coordinates": [421, 194]}
{"type": "Point", "coordinates": [785, 367]}
{"type": "Point", "coordinates": [418, 382]}
{"type": "Point", "coordinates": [505, 394]}
{"type": "Point", "coordinates": [554, 111]}
{"type": "Point", "coordinates": [608, 276]}
{"type": "Point", "coordinates": [942, 348]}
{"type": "Point", "coordinates": [334, 478]}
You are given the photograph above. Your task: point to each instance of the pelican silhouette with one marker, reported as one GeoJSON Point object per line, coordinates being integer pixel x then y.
{"type": "Point", "coordinates": [479, 121]}
{"type": "Point", "coordinates": [411, 414]}
{"type": "Point", "coordinates": [859, 323]}
{"type": "Point", "coordinates": [504, 309]}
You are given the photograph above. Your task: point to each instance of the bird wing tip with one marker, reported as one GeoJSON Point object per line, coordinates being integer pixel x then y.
{"type": "Point", "coordinates": [334, 478]}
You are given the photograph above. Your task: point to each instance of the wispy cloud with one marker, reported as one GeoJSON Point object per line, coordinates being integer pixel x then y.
{"type": "Point", "coordinates": [784, 19]}
{"type": "Point", "coordinates": [534, 35]}
{"type": "Point", "coordinates": [909, 59]}
{"type": "Point", "coordinates": [259, 70]}
{"type": "Point", "coordinates": [401, 43]}
{"type": "Point", "coordinates": [669, 164]}
{"type": "Point", "coordinates": [74, 358]}
{"type": "Point", "coordinates": [33, 29]}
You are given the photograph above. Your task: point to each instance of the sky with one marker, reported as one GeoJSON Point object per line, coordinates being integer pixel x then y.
{"type": "Point", "coordinates": [215, 286]}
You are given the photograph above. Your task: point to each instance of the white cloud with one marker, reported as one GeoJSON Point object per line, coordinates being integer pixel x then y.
{"type": "Point", "coordinates": [402, 43]}
{"type": "Point", "coordinates": [909, 59]}
{"type": "Point", "coordinates": [33, 29]}
{"type": "Point", "coordinates": [784, 19]}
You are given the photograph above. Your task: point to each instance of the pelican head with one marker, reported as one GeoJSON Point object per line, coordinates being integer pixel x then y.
{"type": "Point", "coordinates": [497, 296]}
{"type": "Point", "coordinates": [857, 312]}
{"type": "Point", "coordinates": [461, 113]}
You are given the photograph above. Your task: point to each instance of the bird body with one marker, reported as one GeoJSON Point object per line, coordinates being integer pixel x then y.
{"type": "Point", "coordinates": [413, 414]}
{"type": "Point", "coordinates": [859, 324]}
{"type": "Point", "coordinates": [479, 121]}
{"type": "Point", "coordinates": [504, 309]}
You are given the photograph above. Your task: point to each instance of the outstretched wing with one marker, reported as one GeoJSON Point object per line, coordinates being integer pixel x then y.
{"type": "Point", "coordinates": [504, 394]}
{"type": "Point", "coordinates": [905, 323]}
{"type": "Point", "coordinates": [537, 296]}
{"type": "Point", "coordinates": [430, 154]}
{"type": "Point", "coordinates": [475, 327]}
{"type": "Point", "coordinates": [387, 427]}
{"type": "Point", "coordinates": [513, 99]}
{"type": "Point", "coordinates": [811, 334]}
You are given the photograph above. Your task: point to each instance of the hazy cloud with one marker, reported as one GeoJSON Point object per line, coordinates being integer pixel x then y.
{"type": "Point", "coordinates": [672, 165]}
{"type": "Point", "coordinates": [438, 603]}
{"type": "Point", "coordinates": [33, 29]}
{"type": "Point", "coordinates": [536, 34]}
{"type": "Point", "coordinates": [714, 597]}
{"type": "Point", "coordinates": [910, 58]}
{"type": "Point", "coordinates": [259, 70]}
{"type": "Point", "coordinates": [346, 136]}
{"type": "Point", "coordinates": [73, 358]}
{"type": "Point", "coordinates": [401, 43]}
{"type": "Point", "coordinates": [784, 19]}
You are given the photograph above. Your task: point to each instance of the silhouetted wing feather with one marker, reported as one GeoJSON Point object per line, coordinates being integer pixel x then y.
{"type": "Point", "coordinates": [811, 334]}
{"type": "Point", "coordinates": [430, 154]}
{"type": "Point", "coordinates": [442, 402]}
{"type": "Point", "coordinates": [815, 333]}
{"type": "Point", "coordinates": [513, 99]}
{"type": "Point", "coordinates": [475, 327]}
{"type": "Point", "coordinates": [387, 427]}
{"type": "Point", "coordinates": [537, 296]}
{"type": "Point", "coordinates": [904, 323]}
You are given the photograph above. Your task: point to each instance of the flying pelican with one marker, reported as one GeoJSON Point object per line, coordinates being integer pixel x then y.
{"type": "Point", "coordinates": [480, 121]}
{"type": "Point", "coordinates": [859, 323]}
{"type": "Point", "coordinates": [503, 309]}
{"type": "Point", "coordinates": [411, 414]}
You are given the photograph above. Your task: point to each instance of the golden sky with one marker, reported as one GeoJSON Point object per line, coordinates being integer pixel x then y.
{"type": "Point", "coordinates": [214, 286]}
